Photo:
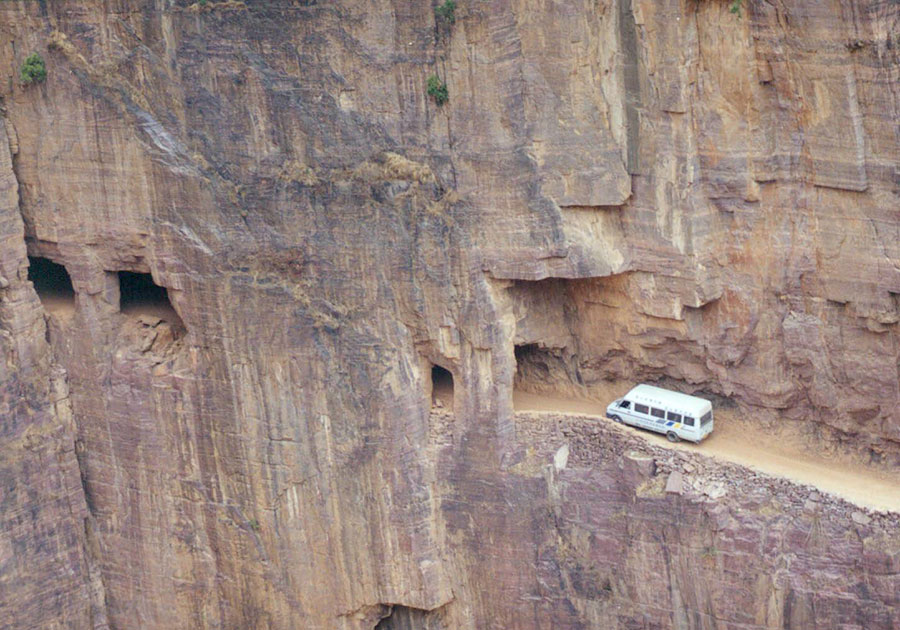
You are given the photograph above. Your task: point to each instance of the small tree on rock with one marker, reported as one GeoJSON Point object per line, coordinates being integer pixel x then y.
{"type": "Point", "coordinates": [33, 70]}
{"type": "Point", "coordinates": [437, 90]}
{"type": "Point", "coordinates": [446, 11]}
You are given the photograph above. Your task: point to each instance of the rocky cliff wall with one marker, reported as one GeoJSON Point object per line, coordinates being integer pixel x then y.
{"type": "Point", "coordinates": [48, 579]}
{"type": "Point", "coordinates": [641, 537]}
{"type": "Point", "coordinates": [651, 189]}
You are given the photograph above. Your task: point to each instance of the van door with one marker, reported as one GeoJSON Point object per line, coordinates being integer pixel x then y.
{"type": "Point", "coordinates": [657, 419]}
{"type": "Point", "coordinates": [640, 414]}
{"type": "Point", "coordinates": [625, 412]}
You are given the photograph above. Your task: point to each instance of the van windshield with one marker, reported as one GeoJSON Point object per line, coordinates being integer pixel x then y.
{"type": "Point", "coordinates": [706, 419]}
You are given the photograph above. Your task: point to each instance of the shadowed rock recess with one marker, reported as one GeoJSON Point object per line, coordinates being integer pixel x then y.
{"type": "Point", "coordinates": [259, 373]}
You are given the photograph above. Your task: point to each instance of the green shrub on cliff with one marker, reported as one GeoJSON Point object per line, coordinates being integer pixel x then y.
{"type": "Point", "coordinates": [446, 11]}
{"type": "Point", "coordinates": [736, 7]}
{"type": "Point", "coordinates": [437, 89]}
{"type": "Point", "coordinates": [33, 70]}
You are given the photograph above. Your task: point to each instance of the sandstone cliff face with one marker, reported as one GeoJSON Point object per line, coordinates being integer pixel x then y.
{"type": "Point", "coordinates": [47, 577]}
{"type": "Point", "coordinates": [635, 190]}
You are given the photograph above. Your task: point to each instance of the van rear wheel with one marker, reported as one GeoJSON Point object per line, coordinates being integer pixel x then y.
{"type": "Point", "coordinates": [672, 436]}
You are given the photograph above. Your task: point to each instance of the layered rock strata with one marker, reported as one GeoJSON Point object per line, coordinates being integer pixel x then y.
{"type": "Point", "coordinates": [646, 190]}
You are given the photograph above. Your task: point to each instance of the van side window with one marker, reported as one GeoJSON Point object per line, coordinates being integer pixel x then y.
{"type": "Point", "coordinates": [657, 413]}
{"type": "Point", "coordinates": [641, 408]}
{"type": "Point", "coordinates": [625, 404]}
{"type": "Point", "coordinates": [689, 421]}
{"type": "Point", "coordinates": [674, 417]}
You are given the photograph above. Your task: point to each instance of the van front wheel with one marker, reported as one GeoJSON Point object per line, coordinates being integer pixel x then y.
{"type": "Point", "coordinates": [672, 436]}
{"type": "Point", "coordinates": [617, 419]}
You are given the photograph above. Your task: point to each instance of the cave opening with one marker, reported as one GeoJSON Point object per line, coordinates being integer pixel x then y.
{"type": "Point", "coordinates": [406, 618]}
{"type": "Point", "coordinates": [441, 387]}
{"type": "Point", "coordinates": [52, 283]}
{"type": "Point", "coordinates": [537, 366]}
{"type": "Point", "coordinates": [140, 295]}
{"type": "Point", "coordinates": [547, 379]}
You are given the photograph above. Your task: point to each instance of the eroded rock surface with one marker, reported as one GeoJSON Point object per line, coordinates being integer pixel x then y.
{"type": "Point", "coordinates": [634, 549]}
{"type": "Point", "coordinates": [634, 189]}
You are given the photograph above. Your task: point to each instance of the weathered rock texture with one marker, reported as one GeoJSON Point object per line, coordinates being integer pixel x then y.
{"type": "Point", "coordinates": [639, 537]}
{"type": "Point", "coordinates": [638, 189]}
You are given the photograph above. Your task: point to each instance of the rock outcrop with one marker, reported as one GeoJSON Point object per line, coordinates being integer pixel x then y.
{"type": "Point", "coordinates": [640, 190]}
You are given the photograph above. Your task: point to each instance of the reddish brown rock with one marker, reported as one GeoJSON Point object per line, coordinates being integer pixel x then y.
{"type": "Point", "coordinates": [627, 190]}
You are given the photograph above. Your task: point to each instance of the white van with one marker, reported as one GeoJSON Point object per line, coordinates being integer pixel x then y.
{"type": "Point", "coordinates": [679, 416]}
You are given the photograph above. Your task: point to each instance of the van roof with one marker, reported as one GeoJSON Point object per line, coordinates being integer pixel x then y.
{"type": "Point", "coordinates": [690, 404]}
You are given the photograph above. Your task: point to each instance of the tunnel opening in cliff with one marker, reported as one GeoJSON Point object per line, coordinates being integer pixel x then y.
{"type": "Point", "coordinates": [441, 387]}
{"type": "Point", "coordinates": [140, 295]}
{"type": "Point", "coordinates": [567, 343]}
{"type": "Point", "coordinates": [407, 618]}
{"type": "Point", "coordinates": [589, 338]}
{"type": "Point", "coordinates": [540, 368]}
{"type": "Point", "coordinates": [52, 283]}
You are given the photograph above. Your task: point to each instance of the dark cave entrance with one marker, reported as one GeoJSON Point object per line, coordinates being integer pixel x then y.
{"type": "Point", "coordinates": [140, 295]}
{"type": "Point", "coordinates": [441, 387]}
{"type": "Point", "coordinates": [138, 289]}
{"type": "Point", "coordinates": [406, 618]}
{"type": "Point", "coordinates": [537, 366]}
{"type": "Point", "coordinates": [52, 284]}
{"type": "Point", "coordinates": [547, 379]}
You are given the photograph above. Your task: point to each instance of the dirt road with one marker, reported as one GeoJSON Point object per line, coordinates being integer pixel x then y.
{"type": "Point", "coordinates": [782, 455]}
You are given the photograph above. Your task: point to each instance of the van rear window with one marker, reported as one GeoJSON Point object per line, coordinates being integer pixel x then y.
{"type": "Point", "coordinates": [657, 413]}
{"type": "Point", "coordinates": [706, 419]}
{"type": "Point", "coordinates": [641, 408]}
